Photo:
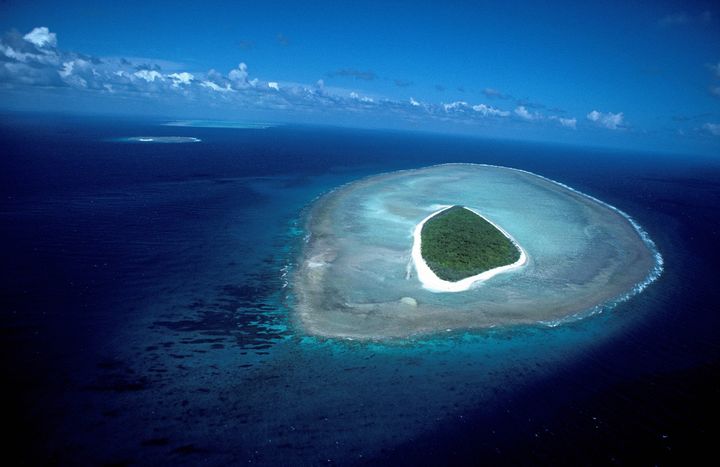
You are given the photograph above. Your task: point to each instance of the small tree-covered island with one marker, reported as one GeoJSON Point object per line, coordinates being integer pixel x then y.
{"type": "Point", "coordinates": [457, 243]}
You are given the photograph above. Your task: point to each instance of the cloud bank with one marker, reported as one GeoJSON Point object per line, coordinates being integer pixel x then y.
{"type": "Point", "coordinates": [34, 60]}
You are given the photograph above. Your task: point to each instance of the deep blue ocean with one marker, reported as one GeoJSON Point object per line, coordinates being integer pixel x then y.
{"type": "Point", "coordinates": [146, 317]}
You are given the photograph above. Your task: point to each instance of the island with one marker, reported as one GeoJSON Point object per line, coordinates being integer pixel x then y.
{"type": "Point", "coordinates": [363, 269]}
{"type": "Point", "coordinates": [457, 243]}
{"type": "Point", "coordinates": [160, 139]}
{"type": "Point", "coordinates": [457, 247]}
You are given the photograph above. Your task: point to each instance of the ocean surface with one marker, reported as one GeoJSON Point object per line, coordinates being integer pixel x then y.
{"type": "Point", "coordinates": [146, 316]}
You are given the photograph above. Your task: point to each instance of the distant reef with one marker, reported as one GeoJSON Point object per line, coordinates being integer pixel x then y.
{"type": "Point", "coordinates": [160, 139]}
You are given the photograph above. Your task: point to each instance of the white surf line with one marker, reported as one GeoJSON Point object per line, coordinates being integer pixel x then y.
{"type": "Point", "coordinates": [433, 283]}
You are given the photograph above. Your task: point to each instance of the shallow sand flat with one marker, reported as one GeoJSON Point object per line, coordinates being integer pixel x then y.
{"type": "Point", "coordinates": [356, 278]}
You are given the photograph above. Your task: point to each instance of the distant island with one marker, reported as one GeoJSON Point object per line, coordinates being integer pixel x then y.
{"type": "Point", "coordinates": [160, 139]}
{"type": "Point", "coordinates": [457, 243]}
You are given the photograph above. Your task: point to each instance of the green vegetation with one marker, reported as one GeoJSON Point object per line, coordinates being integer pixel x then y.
{"type": "Point", "coordinates": [457, 243]}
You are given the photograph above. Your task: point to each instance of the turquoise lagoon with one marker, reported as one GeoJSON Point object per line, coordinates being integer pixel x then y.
{"type": "Point", "coordinates": [356, 279]}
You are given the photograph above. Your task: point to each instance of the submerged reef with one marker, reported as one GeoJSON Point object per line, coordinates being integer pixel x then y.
{"type": "Point", "coordinates": [356, 277]}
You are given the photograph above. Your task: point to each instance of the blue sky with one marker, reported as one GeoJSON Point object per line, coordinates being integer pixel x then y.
{"type": "Point", "coordinates": [622, 74]}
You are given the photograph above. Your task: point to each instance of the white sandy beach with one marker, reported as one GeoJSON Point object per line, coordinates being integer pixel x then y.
{"type": "Point", "coordinates": [433, 283]}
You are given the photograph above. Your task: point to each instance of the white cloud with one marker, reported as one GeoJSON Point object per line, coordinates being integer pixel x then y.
{"type": "Point", "coordinates": [274, 85]}
{"type": "Point", "coordinates": [608, 120]}
{"type": "Point", "coordinates": [414, 103]}
{"type": "Point", "coordinates": [149, 75]}
{"type": "Point", "coordinates": [72, 71]}
{"type": "Point", "coordinates": [358, 97]}
{"type": "Point", "coordinates": [239, 77]}
{"type": "Point", "coordinates": [712, 128]}
{"type": "Point", "coordinates": [13, 54]}
{"type": "Point", "coordinates": [184, 78]}
{"type": "Point", "coordinates": [27, 49]}
{"type": "Point", "coordinates": [215, 87]}
{"type": "Point", "coordinates": [66, 69]}
{"type": "Point", "coordinates": [523, 113]}
{"type": "Point", "coordinates": [566, 122]}
{"type": "Point", "coordinates": [41, 37]}
{"type": "Point", "coordinates": [455, 105]}
{"type": "Point", "coordinates": [489, 111]}
{"type": "Point", "coordinates": [87, 73]}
